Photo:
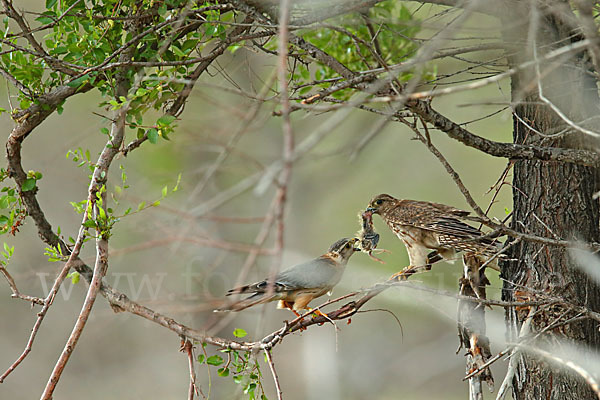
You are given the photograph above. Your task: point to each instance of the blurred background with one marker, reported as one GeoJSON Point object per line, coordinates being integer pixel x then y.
{"type": "Point", "coordinates": [179, 258]}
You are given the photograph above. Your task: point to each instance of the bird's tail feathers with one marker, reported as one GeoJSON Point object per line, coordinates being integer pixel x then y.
{"type": "Point", "coordinates": [238, 290]}
{"type": "Point", "coordinates": [257, 298]}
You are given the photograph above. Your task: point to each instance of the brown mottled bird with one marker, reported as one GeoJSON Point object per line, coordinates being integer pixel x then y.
{"type": "Point", "coordinates": [297, 286]}
{"type": "Point", "coordinates": [431, 231]}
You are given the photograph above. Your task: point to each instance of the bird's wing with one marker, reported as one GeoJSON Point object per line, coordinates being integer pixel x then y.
{"type": "Point", "coordinates": [321, 272]}
{"type": "Point", "coordinates": [435, 217]}
{"type": "Point", "coordinates": [317, 273]}
{"type": "Point", "coordinates": [449, 210]}
{"type": "Point", "coordinates": [259, 287]}
{"type": "Point", "coordinates": [453, 226]}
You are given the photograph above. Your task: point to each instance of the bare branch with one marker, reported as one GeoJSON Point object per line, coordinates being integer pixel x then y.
{"type": "Point", "coordinates": [15, 290]}
{"type": "Point", "coordinates": [274, 373]}
{"type": "Point", "coordinates": [16, 83]}
{"type": "Point", "coordinates": [188, 348]}
{"type": "Point", "coordinates": [507, 150]}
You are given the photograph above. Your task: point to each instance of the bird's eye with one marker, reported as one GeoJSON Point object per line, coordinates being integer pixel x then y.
{"type": "Point", "coordinates": [347, 245]}
{"type": "Point", "coordinates": [378, 202]}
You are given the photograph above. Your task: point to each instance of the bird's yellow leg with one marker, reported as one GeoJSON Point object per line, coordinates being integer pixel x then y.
{"type": "Point", "coordinates": [407, 272]}
{"type": "Point", "coordinates": [288, 305]}
{"type": "Point", "coordinates": [318, 312]}
{"type": "Point", "coordinates": [398, 276]}
{"type": "Point", "coordinates": [302, 303]}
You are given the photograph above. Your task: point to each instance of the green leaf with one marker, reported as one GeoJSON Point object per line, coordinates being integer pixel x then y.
{"type": "Point", "coordinates": [235, 47]}
{"type": "Point", "coordinates": [223, 372]}
{"type": "Point", "coordinates": [28, 185]}
{"type": "Point", "coordinates": [90, 223]}
{"type": "Point", "coordinates": [210, 30]}
{"type": "Point", "coordinates": [50, 3]}
{"type": "Point", "coordinates": [101, 213]}
{"type": "Point", "coordinates": [201, 358]}
{"type": "Point", "coordinates": [189, 44]}
{"type": "Point", "coordinates": [44, 19]}
{"type": "Point", "coordinates": [177, 183]}
{"type": "Point", "coordinates": [239, 333]}
{"type": "Point", "coordinates": [178, 51]}
{"type": "Point", "coordinates": [250, 388]}
{"type": "Point", "coordinates": [214, 360]}
{"type": "Point", "coordinates": [79, 81]}
{"type": "Point", "coordinates": [165, 120]}
{"type": "Point", "coordinates": [164, 192]}
{"type": "Point", "coordinates": [141, 205]}
{"type": "Point", "coordinates": [74, 277]}
{"type": "Point", "coordinates": [152, 135]}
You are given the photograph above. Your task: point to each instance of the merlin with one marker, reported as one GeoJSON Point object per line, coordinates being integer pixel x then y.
{"type": "Point", "coordinates": [431, 231]}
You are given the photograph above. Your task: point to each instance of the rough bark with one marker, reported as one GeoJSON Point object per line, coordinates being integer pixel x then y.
{"type": "Point", "coordinates": [550, 199]}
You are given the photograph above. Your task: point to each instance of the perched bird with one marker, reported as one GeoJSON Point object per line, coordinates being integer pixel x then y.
{"type": "Point", "coordinates": [297, 286]}
{"type": "Point", "coordinates": [431, 231]}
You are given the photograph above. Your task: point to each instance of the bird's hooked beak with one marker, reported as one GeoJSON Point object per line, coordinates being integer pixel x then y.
{"type": "Point", "coordinates": [371, 210]}
{"type": "Point", "coordinates": [354, 241]}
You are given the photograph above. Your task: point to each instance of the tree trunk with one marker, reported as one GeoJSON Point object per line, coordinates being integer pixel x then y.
{"type": "Point", "coordinates": [550, 199]}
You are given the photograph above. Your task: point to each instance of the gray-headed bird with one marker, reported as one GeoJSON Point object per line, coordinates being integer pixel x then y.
{"type": "Point", "coordinates": [297, 286]}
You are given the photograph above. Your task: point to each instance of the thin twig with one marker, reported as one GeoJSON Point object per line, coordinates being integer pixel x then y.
{"type": "Point", "coordinates": [188, 348]}
{"type": "Point", "coordinates": [274, 373]}
{"type": "Point", "coordinates": [553, 106]}
{"type": "Point", "coordinates": [15, 290]}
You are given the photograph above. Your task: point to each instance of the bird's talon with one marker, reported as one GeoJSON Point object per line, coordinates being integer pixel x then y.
{"type": "Point", "coordinates": [319, 313]}
{"type": "Point", "coordinates": [398, 276]}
